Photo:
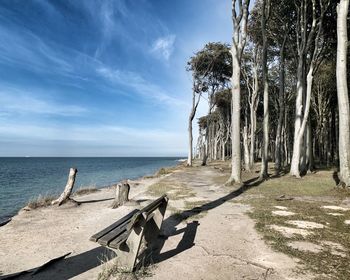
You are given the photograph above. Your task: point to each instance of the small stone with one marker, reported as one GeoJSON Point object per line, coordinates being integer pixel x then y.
{"type": "Point", "coordinates": [347, 222]}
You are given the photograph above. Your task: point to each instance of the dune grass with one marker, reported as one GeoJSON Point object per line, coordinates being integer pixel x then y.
{"type": "Point", "coordinates": [41, 201]}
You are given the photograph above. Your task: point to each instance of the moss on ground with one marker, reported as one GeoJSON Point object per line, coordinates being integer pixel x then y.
{"type": "Point", "coordinates": [309, 193]}
{"type": "Point", "coordinates": [174, 191]}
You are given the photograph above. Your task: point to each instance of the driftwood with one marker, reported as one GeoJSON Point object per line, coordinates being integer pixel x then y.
{"type": "Point", "coordinates": [121, 194]}
{"type": "Point", "coordinates": [65, 196]}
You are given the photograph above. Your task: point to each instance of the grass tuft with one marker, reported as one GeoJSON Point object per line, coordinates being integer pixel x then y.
{"type": "Point", "coordinates": [41, 201]}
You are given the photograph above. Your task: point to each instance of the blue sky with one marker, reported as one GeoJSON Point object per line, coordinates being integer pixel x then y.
{"type": "Point", "coordinates": [101, 78]}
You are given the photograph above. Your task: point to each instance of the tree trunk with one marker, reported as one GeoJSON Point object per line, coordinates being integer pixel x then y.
{"type": "Point", "coordinates": [121, 194]}
{"type": "Point", "coordinates": [239, 39]}
{"type": "Point", "coordinates": [310, 150]}
{"type": "Point", "coordinates": [235, 121]}
{"type": "Point", "coordinates": [278, 150]}
{"type": "Point", "coordinates": [65, 196]}
{"type": "Point", "coordinates": [246, 149]}
{"type": "Point", "coordinates": [342, 92]}
{"type": "Point", "coordinates": [190, 119]}
{"type": "Point", "coordinates": [265, 148]}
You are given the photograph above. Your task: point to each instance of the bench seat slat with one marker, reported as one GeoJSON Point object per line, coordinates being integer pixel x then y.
{"type": "Point", "coordinates": [119, 240]}
{"type": "Point", "coordinates": [155, 204]}
{"type": "Point", "coordinates": [103, 232]}
{"type": "Point", "coordinates": [106, 239]}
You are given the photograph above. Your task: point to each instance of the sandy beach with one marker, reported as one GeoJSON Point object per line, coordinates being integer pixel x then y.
{"type": "Point", "coordinates": [220, 242]}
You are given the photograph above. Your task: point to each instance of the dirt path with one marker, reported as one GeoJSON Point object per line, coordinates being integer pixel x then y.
{"type": "Point", "coordinates": [216, 240]}
{"type": "Point", "coordinates": [218, 243]}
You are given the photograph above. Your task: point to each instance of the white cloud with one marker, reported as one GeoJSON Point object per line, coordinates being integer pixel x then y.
{"type": "Point", "coordinates": [138, 84]}
{"type": "Point", "coordinates": [104, 140]}
{"type": "Point", "coordinates": [164, 46]}
{"type": "Point", "coordinates": [14, 101]}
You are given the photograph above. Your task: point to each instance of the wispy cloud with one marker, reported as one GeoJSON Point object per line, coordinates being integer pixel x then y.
{"type": "Point", "coordinates": [14, 101]}
{"type": "Point", "coordinates": [25, 49]}
{"type": "Point", "coordinates": [80, 139]}
{"type": "Point", "coordinates": [138, 84]}
{"type": "Point", "coordinates": [164, 46]}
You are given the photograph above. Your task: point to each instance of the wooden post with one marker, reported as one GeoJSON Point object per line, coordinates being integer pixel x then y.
{"type": "Point", "coordinates": [64, 197]}
{"type": "Point", "coordinates": [121, 194]}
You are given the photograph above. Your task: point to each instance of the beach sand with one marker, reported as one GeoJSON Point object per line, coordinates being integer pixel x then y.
{"type": "Point", "coordinates": [218, 243]}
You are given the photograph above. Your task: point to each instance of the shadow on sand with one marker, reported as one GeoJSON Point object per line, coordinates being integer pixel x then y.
{"type": "Point", "coordinates": [78, 264]}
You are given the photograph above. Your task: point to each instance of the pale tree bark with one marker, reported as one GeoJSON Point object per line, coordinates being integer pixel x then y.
{"type": "Point", "coordinates": [246, 148]}
{"type": "Point", "coordinates": [278, 150]}
{"type": "Point", "coordinates": [304, 46]}
{"type": "Point", "coordinates": [239, 21]}
{"type": "Point", "coordinates": [253, 106]}
{"type": "Point", "coordinates": [65, 196]}
{"type": "Point", "coordinates": [342, 92]}
{"type": "Point", "coordinates": [265, 149]}
{"type": "Point", "coordinates": [190, 120]}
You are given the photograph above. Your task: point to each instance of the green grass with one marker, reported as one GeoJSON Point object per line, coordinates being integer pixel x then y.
{"type": "Point", "coordinates": [310, 193]}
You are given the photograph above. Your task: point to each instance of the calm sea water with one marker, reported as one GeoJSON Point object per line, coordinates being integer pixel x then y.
{"type": "Point", "coordinates": [22, 179]}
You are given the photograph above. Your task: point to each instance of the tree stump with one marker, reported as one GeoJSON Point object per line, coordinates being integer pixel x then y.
{"type": "Point", "coordinates": [121, 194]}
{"type": "Point", "coordinates": [65, 196]}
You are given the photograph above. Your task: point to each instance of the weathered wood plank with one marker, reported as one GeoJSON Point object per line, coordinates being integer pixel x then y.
{"type": "Point", "coordinates": [155, 204]}
{"type": "Point", "coordinates": [106, 239]}
{"type": "Point", "coordinates": [103, 232]}
{"type": "Point", "coordinates": [119, 240]}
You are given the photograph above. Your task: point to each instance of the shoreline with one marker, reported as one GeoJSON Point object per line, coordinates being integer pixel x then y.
{"type": "Point", "coordinates": [68, 228]}
{"type": "Point", "coordinates": [7, 218]}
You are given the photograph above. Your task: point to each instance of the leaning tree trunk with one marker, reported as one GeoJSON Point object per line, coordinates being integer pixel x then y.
{"type": "Point", "coordinates": [121, 194]}
{"type": "Point", "coordinates": [65, 196]}
{"type": "Point", "coordinates": [190, 119]}
{"type": "Point", "coordinates": [342, 91]}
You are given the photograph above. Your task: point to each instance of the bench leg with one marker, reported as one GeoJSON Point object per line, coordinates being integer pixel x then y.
{"type": "Point", "coordinates": [147, 228]}
{"type": "Point", "coordinates": [153, 225]}
{"type": "Point", "coordinates": [128, 252]}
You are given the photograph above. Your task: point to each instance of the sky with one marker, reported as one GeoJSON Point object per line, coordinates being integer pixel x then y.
{"type": "Point", "coordinates": [101, 77]}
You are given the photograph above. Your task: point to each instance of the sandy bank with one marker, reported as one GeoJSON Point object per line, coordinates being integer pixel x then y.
{"type": "Point", "coordinates": [219, 242]}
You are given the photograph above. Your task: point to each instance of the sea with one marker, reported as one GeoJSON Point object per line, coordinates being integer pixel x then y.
{"type": "Point", "coordinates": [25, 178]}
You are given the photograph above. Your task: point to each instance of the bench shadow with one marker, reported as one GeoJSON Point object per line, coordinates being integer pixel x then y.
{"type": "Point", "coordinates": [68, 267]}
{"type": "Point", "coordinates": [169, 226]}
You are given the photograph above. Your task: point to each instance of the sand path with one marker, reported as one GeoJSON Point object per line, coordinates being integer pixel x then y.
{"type": "Point", "coordinates": [219, 243]}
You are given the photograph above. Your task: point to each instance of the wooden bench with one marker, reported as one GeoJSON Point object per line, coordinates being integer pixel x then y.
{"type": "Point", "coordinates": [125, 235]}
